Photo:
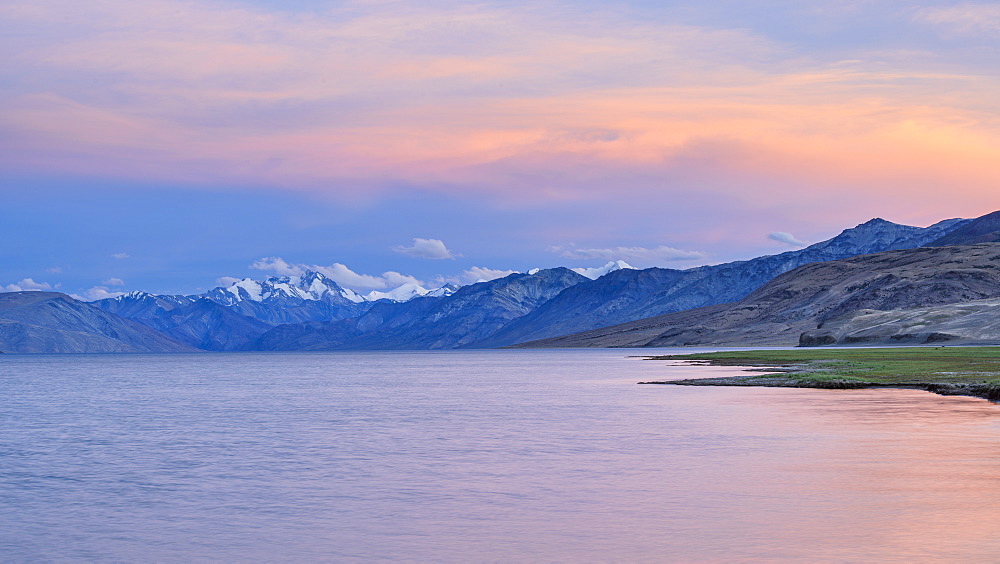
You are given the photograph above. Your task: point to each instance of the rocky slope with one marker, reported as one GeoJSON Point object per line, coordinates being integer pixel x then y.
{"type": "Point", "coordinates": [971, 322]}
{"type": "Point", "coordinates": [800, 301]}
{"type": "Point", "coordinates": [985, 229]}
{"type": "Point", "coordinates": [51, 322]}
{"type": "Point", "coordinates": [208, 326]}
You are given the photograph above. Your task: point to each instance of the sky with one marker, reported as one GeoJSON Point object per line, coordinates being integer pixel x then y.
{"type": "Point", "coordinates": [170, 146]}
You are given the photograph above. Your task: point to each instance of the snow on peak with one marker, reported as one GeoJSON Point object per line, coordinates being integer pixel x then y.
{"type": "Point", "coordinates": [133, 295]}
{"type": "Point", "coordinates": [310, 286]}
{"type": "Point", "coordinates": [314, 286]}
{"type": "Point", "coordinates": [597, 272]}
{"type": "Point", "coordinates": [246, 289]}
{"type": "Point", "coordinates": [446, 290]}
{"type": "Point", "coordinates": [407, 292]}
{"type": "Point", "coordinates": [351, 295]}
{"type": "Point", "coordinates": [403, 293]}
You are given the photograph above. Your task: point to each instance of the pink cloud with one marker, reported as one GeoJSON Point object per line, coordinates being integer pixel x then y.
{"type": "Point", "coordinates": [565, 107]}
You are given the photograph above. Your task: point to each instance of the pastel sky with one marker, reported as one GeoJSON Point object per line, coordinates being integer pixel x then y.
{"type": "Point", "coordinates": [162, 145]}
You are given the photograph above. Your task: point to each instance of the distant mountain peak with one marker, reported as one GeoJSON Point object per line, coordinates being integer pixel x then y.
{"type": "Point", "coordinates": [310, 286]}
{"type": "Point", "coordinates": [409, 291]}
{"type": "Point", "coordinates": [403, 293]}
{"type": "Point", "coordinates": [877, 221]}
{"type": "Point", "coordinates": [133, 295]}
{"type": "Point", "coordinates": [984, 229]}
{"type": "Point", "coordinates": [315, 286]}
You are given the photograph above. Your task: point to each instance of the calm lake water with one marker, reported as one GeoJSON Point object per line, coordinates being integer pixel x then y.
{"type": "Point", "coordinates": [478, 456]}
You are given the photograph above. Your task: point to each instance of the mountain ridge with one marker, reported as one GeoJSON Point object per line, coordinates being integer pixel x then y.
{"type": "Point", "coordinates": [310, 311]}
{"type": "Point", "coordinates": [52, 322]}
{"type": "Point", "coordinates": [984, 229]}
{"type": "Point", "coordinates": [678, 290]}
{"type": "Point", "coordinates": [473, 312]}
{"type": "Point", "coordinates": [799, 301]}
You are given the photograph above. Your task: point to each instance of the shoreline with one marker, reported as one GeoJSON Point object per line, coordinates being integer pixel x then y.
{"type": "Point", "coordinates": [947, 372]}
{"type": "Point", "coordinates": [989, 392]}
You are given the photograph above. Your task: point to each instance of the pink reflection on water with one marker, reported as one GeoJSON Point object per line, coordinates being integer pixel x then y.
{"type": "Point", "coordinates": [845, 475]}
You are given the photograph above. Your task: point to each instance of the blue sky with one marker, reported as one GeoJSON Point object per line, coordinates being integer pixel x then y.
{"type": "Point", "coordinates": [191, 139]}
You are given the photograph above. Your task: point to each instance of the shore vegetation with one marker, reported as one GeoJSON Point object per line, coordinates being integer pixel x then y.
{"type": "Point", "coordinates": [973, 371]}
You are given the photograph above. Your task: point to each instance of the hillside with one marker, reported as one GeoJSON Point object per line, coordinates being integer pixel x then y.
{"type": "Point", "coordinates": [801, 300]}
{"type": "Point", "coordinates": [472, 314]}
{"type": "Point", "coordinates": [985, 229]}
{"type": "Point", "coordinates": [971, 322]}
{"type": "Point", "coordinates": [51, 322]}
{"type": "Point", "coordinates": [628, 295]}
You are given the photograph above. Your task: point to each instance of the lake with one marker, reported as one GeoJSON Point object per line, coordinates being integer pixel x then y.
{"type": "Point", "coordinates": [457, 456]}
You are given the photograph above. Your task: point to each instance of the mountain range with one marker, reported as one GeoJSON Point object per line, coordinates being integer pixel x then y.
{"type": "Point", "coordinates": [551, 307]}
{"type": "Point", "coordinates": [796, 307]}
{"type": "Point", "coordinates": [930, 294]}
{"type": "Point", "coordinates": [51, 322]}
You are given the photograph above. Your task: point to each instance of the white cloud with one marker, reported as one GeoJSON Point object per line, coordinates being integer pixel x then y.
{"type": "Point", "coordinates": [786, 238]}
{"type": "Point", "coordinates": [426, 248]}
{"type": "Point", "coordinates": [120, 256]}
{"type": "Point", "coordinates": [598, 271]}
{"type": "Point", "coordinates": [27, 285]}
{"type": "Point", "coordinates": [339, 273]}
{"type": "Point", "coordinates": [113, 282]}
{"type": "Point", "coordinates": [278, 266]}
{"type": "Point", "coordinates": [54, 270]}
{"type": "Point", "coordinates": [226, 281]}
{"type": "Point", "coordinates": [346, 277]}
{"type": "Point", "coordinates": [638, 254]}
{"type": "Point", "coordinates": [483, 274]}
{"type": "Point", "coordinates": [395, 279]}
{"type": "Point", "coordinates": [96, 293]}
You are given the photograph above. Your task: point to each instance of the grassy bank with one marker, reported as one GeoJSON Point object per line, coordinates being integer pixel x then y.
{"type": "Point", "coordinates": [971, 371]}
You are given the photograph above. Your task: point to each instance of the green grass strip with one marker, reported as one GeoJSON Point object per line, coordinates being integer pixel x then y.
{"type": "Point", "coordinates": [888, 366]}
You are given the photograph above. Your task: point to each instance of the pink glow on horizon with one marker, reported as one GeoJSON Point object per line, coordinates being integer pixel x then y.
{"type": "Point", "coordinates": [344, 102]}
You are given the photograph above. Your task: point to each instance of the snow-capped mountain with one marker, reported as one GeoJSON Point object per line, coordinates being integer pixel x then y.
{"type": "Point", "coordinates": [442, 292]}
{"type": "Point", "coordinates": [407, 292]}
{"type": "Point", "coordinates": [244, 310]}
{"type": "Point", "coordinates": [315, 286]}
{"type": "Point", "coordinates": [313, 312]}
{"type": "Point", "coordinates": [463, 319]}
{"type": "Point", "coordinates": [312, 286]}
{"type": "Point", "coordinates": [627, 295]}
{"type": "Point", "coordinates": [597, 272]}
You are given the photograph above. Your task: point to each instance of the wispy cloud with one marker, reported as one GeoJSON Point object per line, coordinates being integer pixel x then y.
{"type": "Point", "coordinates": [515, 104]}
{"type": "Point", "coordinates": [120, 256]}
{"type": "Point", "coordinates": [653, 255]}
{"type": "Point", "coordinates": [434, 249]}
{"type": "Point", "coordinates": [113, 282]}
{"type": "Point", "coordinates": [473, 275]}
{"type": "Point", "coordinates": [412, 93]}
{"type": "Point", "coordinates": [967, 18]}
{"type": "Point", "coordinates": [786, 238]}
